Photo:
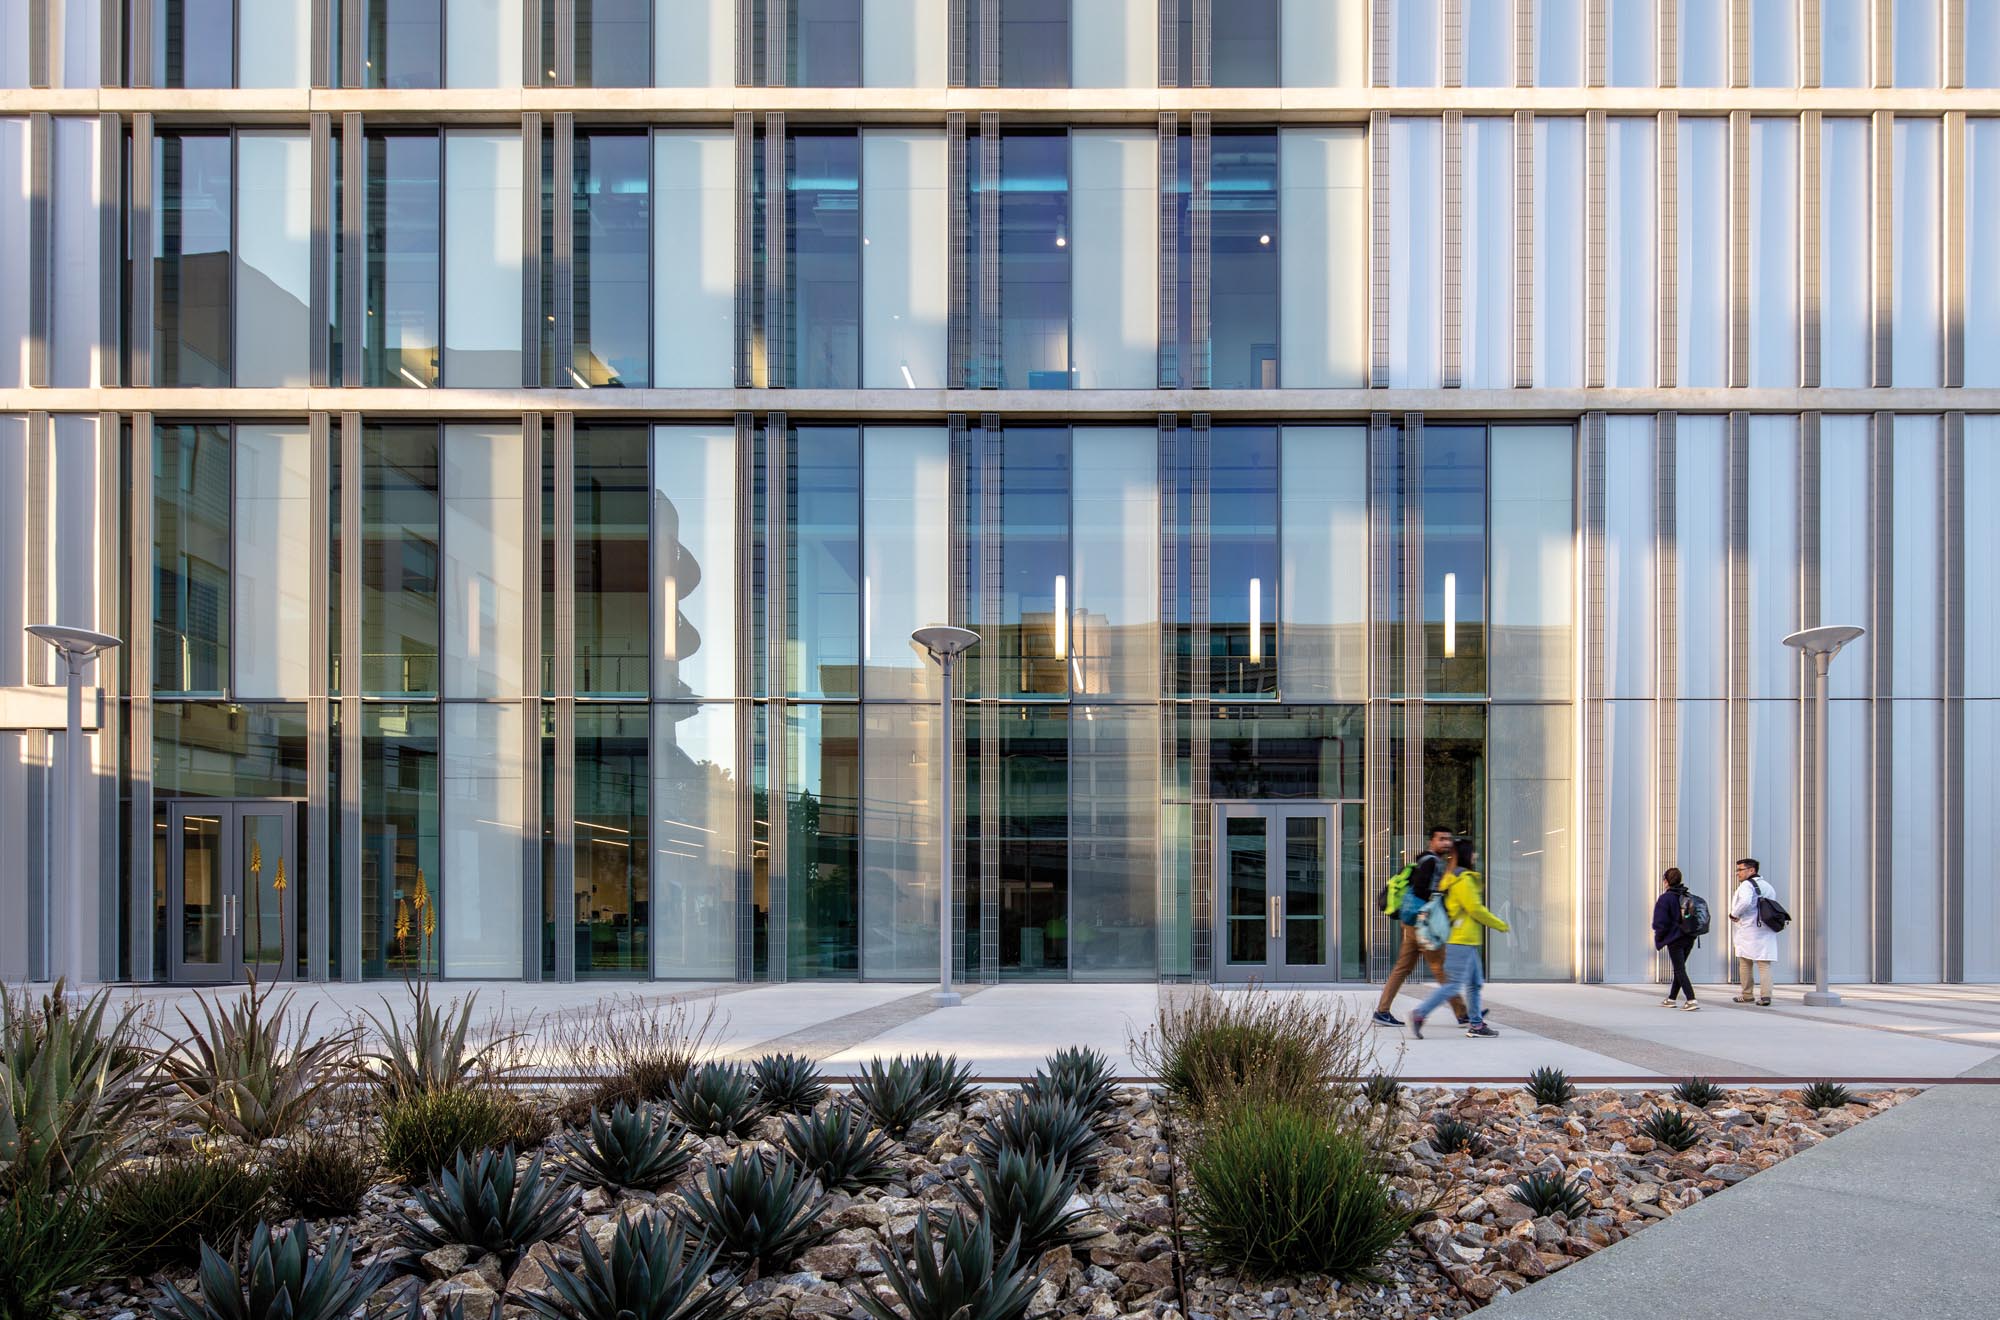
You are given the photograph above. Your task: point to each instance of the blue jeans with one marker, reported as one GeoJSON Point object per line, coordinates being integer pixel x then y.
{"type": "Point", "coordinates": [1463, 974]}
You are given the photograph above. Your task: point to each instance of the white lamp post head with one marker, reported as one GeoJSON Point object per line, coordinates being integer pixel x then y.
{"type": "Point", "coordinates": [944, 642]}
{"type": "Point", "coordinates": [1825, 640]}
{"type": "Point", "coordinates": [74, 643]}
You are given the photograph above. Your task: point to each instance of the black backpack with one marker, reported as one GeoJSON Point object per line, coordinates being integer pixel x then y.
{"type": "Point", "coordinates": [1770, 912]}
{"type": "Point", "coordinates": [1694, 915]}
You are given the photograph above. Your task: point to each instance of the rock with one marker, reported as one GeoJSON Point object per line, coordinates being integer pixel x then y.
{"type": "Point", "coordinates": [834, 1260]}
{"type": "Point", "coordinates": [447, 1260]}
{"type": "Point", "coordinates": [475, 1301]}
{"type": "Point", "coordinates": [1728, 1174]}
{"type": "Point", "coordinates": [862, 1214]}
{"type": "Point", "coordinates": [533, 1269]}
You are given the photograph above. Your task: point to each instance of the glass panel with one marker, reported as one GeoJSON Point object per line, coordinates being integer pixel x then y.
{"type": "Point", "coordinates": [1489, 43]}
{"type": "Point", "coordinates": [1846, 250]}
{"type": "Point", "coordinates": [614, 235]}
{"type": "Point", "coordinates": [611, 608]}
{"type": "Point", "coordinates": [1774, 559]}
{"type": "Point", "coordinates": [483, 567]}
{"type": "Point", "coordinates": [1774, 252]}
{"type": "Point", "coordinates": [1486, 242]}
{"type": "Point", "coordinates": [1034, 262]}
{"type": "Point", "coordinates": [823, 252]}
{"type": "Point", "coordinates": [1416, 253]}
{"type": "Point", "coordinates": [1264, 752]}
{"type": "Point", "coordinates": [1849, 852]}
{"type": "Point", "coordinates": [399, 839]}
{"type": "Point", "coordinates": [1323, 334]}
{"type": "Point", "coordinates": [1982, 252]}
{"type": "Point", "coordinates": [694, 259]}
{"type": "Point", "coordinates": [1244, 247]}
{"type": "Point", "coordinates": [273, 545]}
{"type": "Point", "coordinates": [899, 849]}
{"type": "Point", "coordinates": [1034, 610]}
{"type": "Point", "coordinates": [402, 260]}
{"type": "Point", "coordinates": [1533, 556]}
{"type": "Point", "coordinates": [1413, 43]}
{"type": "Point", "coordinates": [824, 43]}
{"type": "Point", "coordinates": [613, 897]}
{"type": "Point", "coordinates": [1632, 278]}
{"type": "Point", "coordinates": [823, 611]}
{"type": "Point", "coordinates": [694, 560]}
{"type": "Point", "coordinates": [405, 44]}
{"type": "Point", "coordinates": [1116, 304]}
{"type": "Point", "coordinates": [1353, 890]}
{"type": "Point", "coordinates": [906, 557]}
{"type": "Point", "coordinates": [1701, 540]}
{"type": "Point", "coordinates": [1323, 606]}
{"type": "Point", "coordinates": [1631, 876]}
{"type": "Point", "coordinates": [269, 870]}
{"type": "Point", "coordinates": [1630, 571]}
{"type": "Point", "coordinates": [223, 750]}
{"type": "Point", "coordinates": [16, 279]}
{"type": "Point", "coordinates": [482, 259]}
{"type": "Point", "coordinates": [1559, 40]}
{"type": "Point", "coordinates": [483, 818]}
{"type": "Point", "coordinates": [195, 44]}
{"type": "Point", "coordinates": [1112, 43]}
{"type": "Point", "coordinates": [1916, 45]}
{"type": "Point", "coordinates": [13, 43]}
{"type": "Point", "coordinates": [1844, 583]}
{"type": "Point", "coordinates": [274, 44]}
{"type": "Point", "coordinates": [77, 459]}
{"type": "Point", "coordinates": [1702, 303]}
{"type": "Point", "coordinates": [1980, 482]}
{"type": "Point", "coordinates": [694, 43]}
{"type": "Point", "coordinates": [191, 542]}
{"type": "Point", "coordinates": [1916, 881]}
{"type": "Point", "coordinates": [904, 259]}
{"type": "Point", "coordinates": [273, 258]}
{"type": "Point", "coordinates": [1919, 288]}
{"type": "Point", "coordinates": [1034, 834]}
{"type": "Point", "coordinates": [1844, 32]}
{"type": "Point", "coordinates": [1918, 610]}
{"type": "Point", "coordinates": [1702, 841]}
{"type": "Point", "coordinates": [613, 43]}
{"type": "Point", "coordinates": [1774, 37]}
{"type": "Point", "coordinates": [905, 43]}
{"type": "Point", "coordinates": [1633, 29]}
{"type": "Point", "coordinates": [1245, 46]}
{"type": "Point", "coordinates": [191, 259]}
{"type": "Point", "coordinates": [695, 810]}
{"type": "Point", "coordinates": [1245, 863]}
{"type": "Point", "coordinates": [1454, 559]}
{"type": "Point", "coordinates": [1114, 856]}
{"type": "Point", "coordinates": [824, 768]}
{"type": "Point", "coordinates": [1773, 775]}
{"type": "Point", "coordinates": [76, 273]}
{"type": "Point", "coordinates": [1559, 252]}
{"type": "Point", "coordinates": [483, 43]}
{"type": "Point", "coordinates": [1982, 50]}
{"type": "Point", "coordinates": [1306, 921]}
{"type": "Point", "coordinates": [1530, 875]}
{"type": "Point", "coordinates": [1981, 910]}
{"type": "Point", "coordinates": [203, 888]}
{"type": "Point", "coordinates": [1114, 618]}
{"type": "Point", "coordinates": [1034, 43]}
{"type": "Point", "coordinates": [1243, 560]}
{"type": "Point", "coordinates": [399, 560]}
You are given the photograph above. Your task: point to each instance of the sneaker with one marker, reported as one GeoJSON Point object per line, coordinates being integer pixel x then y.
{"type": "Point", "coordinates": [1384, 1018]}
{"type": "Point", "coordinates": [1691, 1007]}
{"type": "Point", "coordinates": [1417, 1025]}
{"type": "Point", "coordinates": [1742, 999]}
{"type": "Point", "coordinates": [1463, 1020]}
{"type": "Point", "coordinates": [1668, 1002]}
{"type": "Point", "coordinates": [1482, 1032]}
{"type": "Point", "coordinates": [1763, 1003]}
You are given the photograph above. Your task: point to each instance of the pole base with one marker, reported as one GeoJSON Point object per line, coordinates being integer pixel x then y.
{"type": "Point", "coordinates": [1822, 999]}
{"type": "Point", "coordinates": [946, 999]}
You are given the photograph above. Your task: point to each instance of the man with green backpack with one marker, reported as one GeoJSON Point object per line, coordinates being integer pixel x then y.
{"type": "Point", "coordinates": [1403, 898]}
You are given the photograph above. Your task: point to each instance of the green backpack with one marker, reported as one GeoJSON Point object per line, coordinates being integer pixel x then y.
{"type": "Point", "coordinates": [1392, 892]}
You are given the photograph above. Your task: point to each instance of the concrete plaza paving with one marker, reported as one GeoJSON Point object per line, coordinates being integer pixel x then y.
{"type": "Point", "coordinates": [1610, 1033]}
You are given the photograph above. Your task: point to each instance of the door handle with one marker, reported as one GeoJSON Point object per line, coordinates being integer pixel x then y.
{"type": "Point", "coordinates": [1275, 920]}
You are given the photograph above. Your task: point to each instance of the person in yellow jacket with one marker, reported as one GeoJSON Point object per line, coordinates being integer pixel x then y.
{"type": "Point", "coordinates": [1463, 971]}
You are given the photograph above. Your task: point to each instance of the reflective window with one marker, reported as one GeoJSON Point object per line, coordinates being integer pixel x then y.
{"type": "Point", "coordinates": [613, 889]}
{"type": "Point", "coordinates": [613, 495]}
{"type": "Point", "coordinates": [482, 258]}
{"type": "Point", "coordinates": [16, 278]}
{"type": "Point", "coordinates": [906, 556]}
{"type": "Point", "coordinates": [1846, 247]}
{"type": "Point", "coordinates": [1917, 43]}
{"type": "Point", "coordinates": [1532, 559]}
{"type": "Point", "coordinates": [823, 857]}
{"type": "Point", "coordinates": [273, 276]}
{"type": "Point", "coordinates": [191, 260]}
{"type": "Point", "coordinates": [1774, 43]}
{"type": "Point", "coordinates": [1486, 247]}
{"type": "Point", "coordinates": [1115, 510]}
{"type": "Point", "coordinates": [1116, 306]}
{"type": "Point", "coordinates": [1112, 43]}
{"type": "Point", "coordinates": [1982, 252]}
{"type": "Point", "coordinates": [484, 489]}
{"type": "Point", "coordinates": [484, 812]}
{"type": "Point", "coordinates": [1527, 856]}
{"type": "Point", "coordinates": [1701, 302]}
{"type": "Point", "coordinates": [1917, 198]}
{"type": "Point", "coordinates": [483, 43]}
{"type": "Point", "coordinates": [823, 517]}
{"type": "Point", "coordinates": [191, 545]}
{"type": "Point", "coordinates": [694, 45]}
{"type": "Point", "coordinates": [400, 278]}
{"type": "Point", "coordinates": [694, 520]}
{"type": "Point", "coordinates": [614, 44]}
{"type": "Point", "coordinates": [1114, 852]}
{"type": "Point", "coordinates": [824, 43]}
{"type": "Point", "coordinates": [1033, 835]}
{"type": "Point", "coordinates": [1454, 560]}
{"type": "Point", "coordinates": [905, 241]}
{"type": "Point", "coordinates": [1844, 41]}
{"type": "Point", "coordinates": [1631, 271]}
{"type": "Point", "coordinates": [899, 849]}
{"type": "Point", "coordinates": [1267, 753]}
{"type": "Point", "coordinates": [1413, 43]}
{"type": "Point", "coordinates": [1631, 32]}
{"type": "Point", "coordinates": [1704, 42]}
{"type": "Point", "coordinates": [1034, 261]}
{"type": "Point", "coordinates": [613, 237]}
{"type": "Point", "coordinates": [823, 260]}
{"type": "Point", "coordinates": [1243, 560]}
{"type": "Point", "coordinates": [695, 821]}
{"type": "Point", "coordinates": [1034, 43]}
{"type": "Point", "coordinates": [694, 258]}
{"type": "Point", "coordinates": [1323, 211]}
{"type": "Point", "coordinates": [274, 43]}
{"type": "Point", "coordinates": [399, 841]}
{"type": "Point", "coordinates": [1034, 606]}
{"type": "Point", "coordinates": [1244, 253]}
{"type": "Point", "coordinates": [405, 44]}
{"type": "Point", "coordinates": [1245, 46]}
{"type": "Point", "coordinates": [194, 43]}
{"type": "Point", "coordinates": [1559, 41]}
{"type": "Point", "coordinates": [274, 561]}
{"type": "Point", "coordinates": [1559, 251]}
{"type": "Point", "coordinates": [1323, 604]}
{"type": "Point", "coordinates": [1489, 43]}
{"type": "Point", "coordinates": [1774, 251]}
{"type": "Point", "coordinates": [1416, 252]}
{"type": "Point", "coordinates": [1982, 45]}
{"type": "Point", "coordinates": [401, 524]}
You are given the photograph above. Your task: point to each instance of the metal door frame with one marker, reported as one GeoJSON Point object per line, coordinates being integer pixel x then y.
{"type": "Point", "coordinates": [233, 812]}
{"type": "Point", "coordinates": [1271, 812]}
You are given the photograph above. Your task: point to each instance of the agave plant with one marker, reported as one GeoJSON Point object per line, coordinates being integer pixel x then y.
{"type": "Point", "coordinates": [836, 1146]}
{"type": "Point", "coordinates": [492, 1205]}
{"type": "Point", "coordinates": [70, 1085]}
{"type": "Point", "coordinates": [717, 1100]}
{"type": "Point", "coordinates": [895, 1094]}
{"type": "Point", "coordinates": [761, 1211]}
{"type": "Point", "coordinates": [1450, 1135]}
{"type": "Point", "coordinates": [788, 1083]}
{"type": "Point", "coordinates": [1382, 1089]}
{"type": "Point", "coordinates": [431, 1053]}
{"type": "Point", "coordinates": [1026, 1198]}
{"type": "Point", "coordinates": [1080, 1076]}
{"type": "Point", "coordinates": [952, 1272]}
{"type": "Point", "coordinates": [281, 1277]}
{"type": "Point", "coordinates": [1827, 1095]}
{"type": "Point", "coordinates": [1551, 1086]}
{"type": "Point", "coordinates": [640, 1148]}
{"type": "Point", "coordinates": [246, 1071]}
{"type": "Point", "coordinates": [1671, 1128]}
{"type": "Point", "coordinates": [1697, 1091]}
{"type": "Point", "coordinates": [1550, 1193]}
{"type": "Point", "coordinates": [1055, 1128]}
{"type": "Point", "coordinates": [654, 1272]}
{"type": "Point", "coordinates": [948, 1082]}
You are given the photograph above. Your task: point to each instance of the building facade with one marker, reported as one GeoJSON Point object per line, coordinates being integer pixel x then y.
{"type": "Point", "coordinates": [515, 440]}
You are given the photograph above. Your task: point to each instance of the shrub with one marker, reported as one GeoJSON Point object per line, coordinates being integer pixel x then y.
{"type": "Point", "coordinates": [1208, 1048]}
{"type": "Point", "coordinates": [1551, 1086]}
{"type": "Point", "coordinates": [323, 1175]}
{"type": "Point", "coordinates": [644, 1047]}
{"type": "Point", "coordinates": [761, 1210]}
{"type": "Point", "coordinates": [427, 1132]}
{"type": "Point", "coordinates": [247, 1071]}
{"type": "Point", "coordinates": [1382, 1089]}
{"type": "Point", "coordinates": [836, 1146]}
{"type": "Point", "coordinates": [947, 1081]}
{"type": "Point", "coordinates": [952, 1272]}
{"type": "Point", "coordinates": [1286, 1188]}
{"type": "Point", "coordinates": [49, 1242]}
{"type": "Point", "coordinates": [718, 1100]}
{"type": "Point", "coordinates": [1698, 1091]}
{"type": "Point", "coordinates": [1827, 1095]}
{"type": "Point", "coordinates": [280, 1278]}
{"type": "Point", "coordinates": [1055, 1128]}
{"type": "Point", "coordinates": [70, 1086]}
{"type": "Point", "coordinates": [1080, 1076]}
{"type": "Point", "coordinates": [431, 1053]}
{"type": "Point", "coordinates": [492, 1204]}
{"type": "Point", "coordinates": [895, 1094]}
{"type": "Point", "coordinates": [1450, 1135]}
{"type": "Point", "coordinates": [788, 1083]}
{"type": "Point", "coordinates": [1025, 1198]}
{"type": "Point", "coordinates": [159, 1212]}
{"type": "Point", "coordinates": [653, 1273]}
{"type": "Point", "coordinates": [640, 1148]}
{"type": "Point", "coordinates": [1671, 1128]}
{"type": "Point", "coordinates": [1550, 1194]}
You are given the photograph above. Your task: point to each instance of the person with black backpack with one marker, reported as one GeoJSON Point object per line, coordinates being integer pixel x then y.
{"type": "Point", "coordinates": [1424, 874]}
{"type": "Point", "coordinates": [1680, 917]}
{"type": "Point", "coordinates": [1758, 918]}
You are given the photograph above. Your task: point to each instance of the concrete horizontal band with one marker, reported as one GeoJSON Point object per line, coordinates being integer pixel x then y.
{"type": "Point", "coordinates": [1055, 405]}
{"type": "Point", "coordinates": [47, 708]}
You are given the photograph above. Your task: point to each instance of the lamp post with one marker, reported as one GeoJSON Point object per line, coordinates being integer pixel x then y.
{"type": "Point", "coordinates": [944, 645]}
{"type": "Point", "coordinates": [1820, 645]}
{"type": "Point", "coordinates": [78, 647]}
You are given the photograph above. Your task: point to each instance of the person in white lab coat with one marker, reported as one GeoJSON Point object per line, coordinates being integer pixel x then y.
{"type": "Point", "coordinates": [1756, 943]}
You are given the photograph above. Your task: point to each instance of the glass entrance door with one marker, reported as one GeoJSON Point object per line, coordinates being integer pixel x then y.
{"type": "Point", "coordinates": [1287, 874]}
{"type": "Point", "coordinates": [232, 883]}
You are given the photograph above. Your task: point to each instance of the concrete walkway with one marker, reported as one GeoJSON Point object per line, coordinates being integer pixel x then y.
{"type": "Point", "coordinates": [1891, 1218]}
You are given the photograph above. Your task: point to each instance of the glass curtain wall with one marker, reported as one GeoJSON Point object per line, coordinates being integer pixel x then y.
{"type": "Point", "coordinates": [613, 230]}
{"type": "Point", "coordinates": [1243, 561]}
{"type": "Point", "coordinates": [614, 45]}
{"type": "Point", "coordinates": [403, 43]}
{"type": "Point", "coordinates": [273, 252]}
{"type": "Point", "coordinates": [1034, 307]}
{"type": "Point", "coordinates": [1116, 298]}
{"type": "Point", "coordinates": [192, 250]}
{"type": "Point", "coordinates": [611, 571]}
{"type": "Point", "coordinates": [1244, 248]}
{"type": "Point", "coordinates": [905, 235]}
{"type": "Point", "coordinates": [1323, 329]}
{"type": "Point", "coordinates": [1486, 247]}
{"type": "Point", "coordinates": [191, 560]}
{"type": "Point", "coordinates": [823, 260]}
{"type": "Point", "coordinates": [401, 255]}
{"type": "Point", "coordinates": [823, 44]}
{"type": "Point", "coordinates": [274, 561]}
{"type": "Point", "coordinates": [694, 258]}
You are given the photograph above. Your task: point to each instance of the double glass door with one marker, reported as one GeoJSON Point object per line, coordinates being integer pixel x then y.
{"type": "Point", "coordinates": [232, 890]}
{"type": "Point", "coordinates": [1289, 906]}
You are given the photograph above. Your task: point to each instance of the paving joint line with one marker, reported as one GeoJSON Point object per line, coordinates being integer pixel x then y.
{"type": "Point", "coordinates": [823, 1040]}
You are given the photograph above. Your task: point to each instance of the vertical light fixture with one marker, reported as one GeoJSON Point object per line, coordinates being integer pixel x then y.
{"type": "Point", "coordinates": [1451, 616]}
{"type": "Point", "coordinates": [1256, 621]}
{"type": "Point", "coordinates": [78, 647]}
{"type": "Point", "coordinates": [1820, 645]}
{"type": "Point", "coordinates": [1062, 617]}
{"type": "Point", "coordinates": [945, 645]}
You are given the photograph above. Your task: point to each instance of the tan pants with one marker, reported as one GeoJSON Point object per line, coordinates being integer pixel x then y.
{"type": "Point", "coordinates": [1406, 962]}
{"type": "Point", "coordinates": [1753, 968]}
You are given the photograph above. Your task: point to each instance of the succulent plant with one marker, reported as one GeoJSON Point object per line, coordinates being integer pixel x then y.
{"type": "Point", "coordinates": [1550, 1193]}
{"type": "Point", "coordinates": [788, 1083]}
{"type": "Point", "coordinates": [895, 1094]}
{"type": "Point", "coordinates": [1055, 1128]}
{"type": "Point", "coordinates": [1026, 1197]}
{"type": "Point", "coordinates": [952, 1272]}
{"type": "Point", "coordinates": [1551, 1086]}
{"type": "Point", "coordinates": [1082, 1077]}
{"type": "Point", "coordinates": [1450, 1135]}
{"type": "Point", "coordinates": [759, 1210]}
{"type": "Point", "coordinates": [1827, 1095]}
{"type": "Point", "coordinates": [837, 1147]}
{"type": "Point", "coordinates": [430, 1053]}
{"type": "Point", "coordinates": [280, 1277]}
{"type": "Point", "coordinates": [70, 1085]}
{"type": "Point", "coordinates": [248, 1070]}
{"type": "Point", "coordinates": [1382, 1089]}
{"type": "Point", "coordinates": [490, 1204]}
{"type": "Point", "coordinates": [948, 1082]}
{"type": "Point", "coordinates": [718, 1100]}
{"type": "Point", "coordinates": [1671, 1128]}
{"type": "Point", "coordinates": [654, 1272]}
{"type": "Point", "coordinates": [640, 1148]}
{"type": "Point", "coordinates": [1697, 1091]}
